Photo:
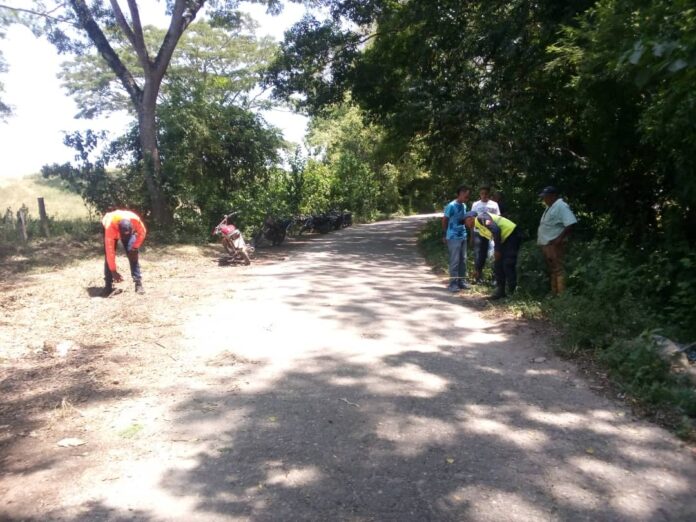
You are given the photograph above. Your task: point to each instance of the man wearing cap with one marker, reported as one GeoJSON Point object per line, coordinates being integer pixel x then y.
{"type": "Point", "coordinates": [556, 223]}
{"type": "Point", "coordinates": [129, 228]}
{"type": "Point", "coordinates": [455, 238]}
{"type": "Point", "coordinates": [507, 245]}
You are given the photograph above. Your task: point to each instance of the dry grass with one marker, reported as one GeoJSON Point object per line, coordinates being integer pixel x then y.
{"type": "Point", "coordinates": [60, 203]}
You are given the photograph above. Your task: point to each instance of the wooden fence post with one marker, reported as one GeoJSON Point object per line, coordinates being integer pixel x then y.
{"type": "Point", "coordinates": [22, 224]}
{"type": "Point", "coordinates": [44, 218]}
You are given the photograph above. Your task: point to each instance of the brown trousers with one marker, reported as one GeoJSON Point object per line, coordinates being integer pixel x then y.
{"type": "Point", "coordinates": [554, 255]}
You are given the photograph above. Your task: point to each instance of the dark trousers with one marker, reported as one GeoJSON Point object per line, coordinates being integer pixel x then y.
{"type": "Point", "coordinates": [480, 252]}
{"type": "Point", "coordinates": [132, 254]}
{"type": "Point", "coordinates": [506, 266]}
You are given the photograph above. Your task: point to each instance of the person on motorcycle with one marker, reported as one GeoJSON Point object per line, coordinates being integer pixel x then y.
{"type": "Point", "coordinates": [129, 228]}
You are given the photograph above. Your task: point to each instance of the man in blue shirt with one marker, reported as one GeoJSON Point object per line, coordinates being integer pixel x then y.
{"type": "Point", "coordinates": [454, 236]}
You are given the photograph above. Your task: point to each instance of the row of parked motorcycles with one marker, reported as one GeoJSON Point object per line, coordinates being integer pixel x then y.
{"type": "Point", "coordinates": [274, 231]}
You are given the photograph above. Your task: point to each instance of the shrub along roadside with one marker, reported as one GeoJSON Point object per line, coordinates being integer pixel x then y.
{"type": "Point", "coordinates": [607, 317]}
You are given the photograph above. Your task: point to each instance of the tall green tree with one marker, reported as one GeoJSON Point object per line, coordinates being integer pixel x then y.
{"type": "Point", "coordinates": [212, 143]}
{"type": "Point", "coordinates": [629, 68]}
{"type": "Point", "coordinates": [366, 173]}
{"type": "Point", "coordinates": [76, 25]}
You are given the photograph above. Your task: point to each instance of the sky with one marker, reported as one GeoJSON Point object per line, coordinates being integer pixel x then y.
{"type": "Point", "coordinates": [43, 112]}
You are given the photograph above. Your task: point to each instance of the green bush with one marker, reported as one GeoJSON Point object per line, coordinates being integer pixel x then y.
{"type": "Point", "coordinates": [636, 364]}
{"type": "Point", "coordinates": [607, 298]}
{"type": "Point", "coordinates": [533, 282]}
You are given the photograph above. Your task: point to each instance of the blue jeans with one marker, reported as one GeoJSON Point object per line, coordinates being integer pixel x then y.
{"type": "Point", "coordinates": [132, 254]}
{"type": "Point", "coordinates": [457, 261]}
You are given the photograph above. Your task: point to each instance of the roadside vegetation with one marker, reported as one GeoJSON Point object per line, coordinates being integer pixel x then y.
{"type": "Point", "coordinates": [74, 228]}
{"type": "Point", "coordinates": [608, 317]}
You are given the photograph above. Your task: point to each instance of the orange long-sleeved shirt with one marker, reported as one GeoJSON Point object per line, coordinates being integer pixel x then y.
{"type": "Point", "coordinates": [111, 233]}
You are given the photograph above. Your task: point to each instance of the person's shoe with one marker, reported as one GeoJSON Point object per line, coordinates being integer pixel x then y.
{"type": "Point", "coordinates": [453, 288]}
{"type": "Point", "coordinates": [108, 290]}
{"type": "Point", "coordinates": [478, 281]}
{"type": "Point", "coordinates": [497, 295]}
{"type": "Point", "coordinates": [463, 286]}
{"type": "Point", "coordinates": [139, 288]}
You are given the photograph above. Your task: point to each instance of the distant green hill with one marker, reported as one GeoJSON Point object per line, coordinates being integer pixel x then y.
{"type": "Point", "coordinates": [60, 202]}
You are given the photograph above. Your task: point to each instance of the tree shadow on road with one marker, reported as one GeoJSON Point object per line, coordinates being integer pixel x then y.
{"type": "Point", "coordinates": [452, 421]}
{"type": "Point", "coordinates": [338, 440]}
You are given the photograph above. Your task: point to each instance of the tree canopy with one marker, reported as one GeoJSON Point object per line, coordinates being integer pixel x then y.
{"type": "Point", "coordinates": [592, 96]}
{"type": "Point", "coordinates": [227, 64]}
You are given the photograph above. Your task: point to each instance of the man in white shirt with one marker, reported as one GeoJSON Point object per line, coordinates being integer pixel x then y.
{"type": "Point", "coordinates": [482, 246]}
{"type": "Point", "coordinates": [554, 228]}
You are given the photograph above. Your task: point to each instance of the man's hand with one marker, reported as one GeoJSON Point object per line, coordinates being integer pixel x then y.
{"type": "Point", "coordinates": [444, 240]}
{"type": "Point", "coordinates": [116, 276]}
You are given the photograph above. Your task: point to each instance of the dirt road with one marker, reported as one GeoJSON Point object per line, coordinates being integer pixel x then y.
{"type": "Point", "coordinates": [341, 383]}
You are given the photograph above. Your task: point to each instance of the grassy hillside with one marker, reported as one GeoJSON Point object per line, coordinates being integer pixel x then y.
{"type": "Point", "coordinates": [60, 203]}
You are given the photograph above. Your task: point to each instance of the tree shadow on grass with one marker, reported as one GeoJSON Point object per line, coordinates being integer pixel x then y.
{"type": "Point", "coordinates": [41, 254]}
{"type": "Point", "coordinates": [42, 399]}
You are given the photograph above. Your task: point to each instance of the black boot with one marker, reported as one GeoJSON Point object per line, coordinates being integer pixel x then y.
{"type": "Point", "coordinates": [139, 287]}
{"type": "Point", "coordinates": [108, 290]}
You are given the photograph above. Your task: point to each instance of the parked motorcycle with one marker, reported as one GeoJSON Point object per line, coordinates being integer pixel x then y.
{"type": "Point", "coordinates": [347, 219]}
{"type": "Point", "coordinates": [306, 224]}
{"type": "Point", "coordinates": [232, 240]}
{"type": "Point", "coordinates": [323, 223]}
{"type": "Point", "coordinates": [274, 230]}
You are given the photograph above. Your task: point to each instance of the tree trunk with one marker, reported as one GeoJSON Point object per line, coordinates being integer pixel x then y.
{"type": "Point", "coordinates": [152, 165]}
{"type": "Point", "coordinates": [144, 99]}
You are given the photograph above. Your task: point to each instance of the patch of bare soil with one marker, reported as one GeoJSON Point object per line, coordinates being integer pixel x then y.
{"type": "Point", "coordinates": [70, 359]}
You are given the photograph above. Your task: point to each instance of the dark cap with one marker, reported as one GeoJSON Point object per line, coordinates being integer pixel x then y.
{"type": "Point", "coordinates": [548, 190]}
{"type": "Point", "coordinates": [470, 214]}
{"type": "Point", "coordinates": [125, 226]}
